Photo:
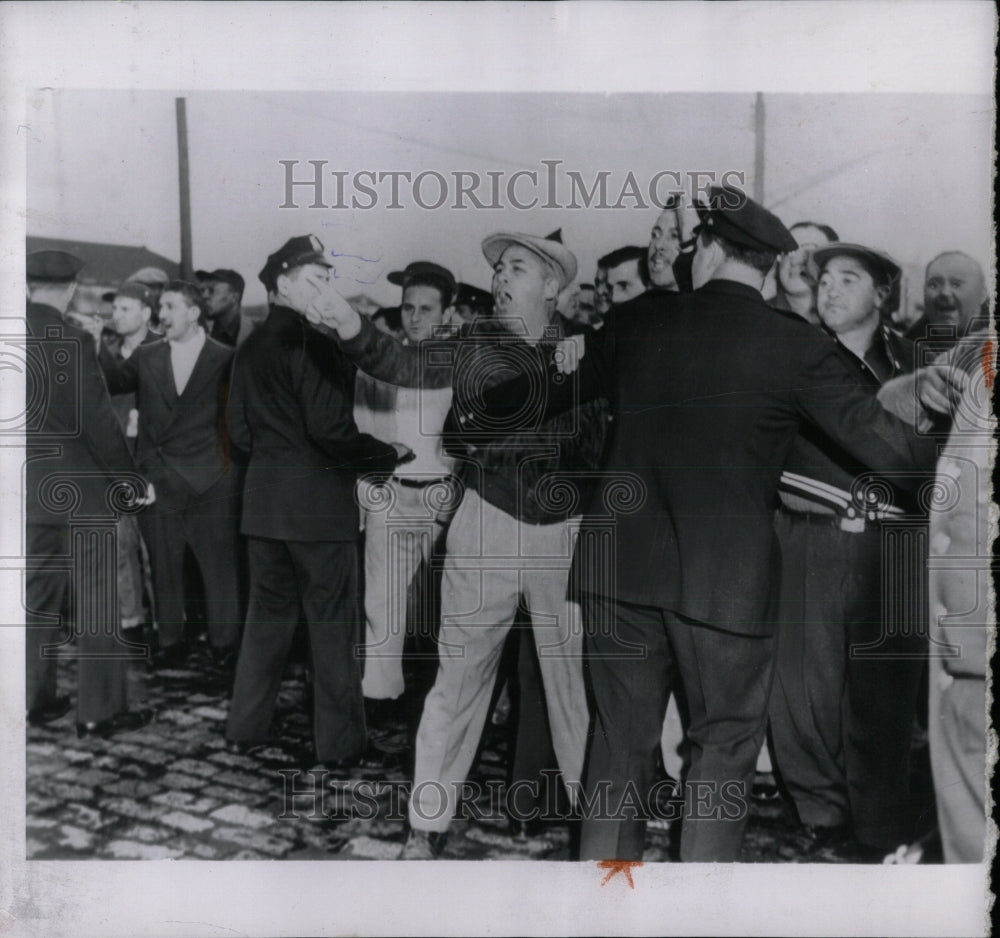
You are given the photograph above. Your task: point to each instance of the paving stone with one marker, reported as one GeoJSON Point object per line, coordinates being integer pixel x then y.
{"type": "Point", "coordinates": [92, 777]}
{"type": "Point", "coordinates": [74, 755]}
{"type": "Point", "coordinates": [194, 767]}
{"type": "Point", "coordinates": [178, 718]}
{"type": "Point", "coordinates": [371, 849]}
{"type": "Point", "coordinates": [85, 817]}
{"type": "Point", "coordinates": [43, 749]}
{"type": "Point", "coordinates": [74, 838]}
{"type": "Point", "coordinates": [134, 850]}
{"type": "Point", "coordinates": [131, 788]}
{"type": "Point", "coordinates": [185, 822]}
{"type": "Point", "coordinates": [255, 855]}
{"type": "Point", "coordinates": [244, 817]}
{"type": "Point", "coordinates": [34, 848]}
{"type": "Point", "coordinates": [211, 713]}
{"type": "Point", "coordinates": [242, 780]}
{"type": "Point", "coordinates": [234, 759]}
{"type": "Point", "coordinates": [40, 823]}
{"type": "Point", "coordinates": [145, 833]}
{"type": "Point", "coordinates": [255, 840]}
{"type": "Point", "coordinates": [179, 780]}
{"type": "Point", "coordinates": [133, 809]}
{"type": "Point", "coordinates": [185, 800]}
{"type": "Point", "coordinates": [35, 805]}
{"type": "Point", "coordinates": [66, 792]}
{"type": "Point", "coordinates": [43, 769]}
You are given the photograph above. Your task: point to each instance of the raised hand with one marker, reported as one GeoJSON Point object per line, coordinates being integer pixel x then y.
{"type": "Point", "coordinates": [568, 354]}
{"type": "Point", "coordinates": [330, 312]}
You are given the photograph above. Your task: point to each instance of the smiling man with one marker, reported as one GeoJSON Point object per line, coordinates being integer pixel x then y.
{"type": "Point", "coordinates": [841, 715]}
{"type": "Point", "coordinates": [181, 384]}
{"type": "Point", "coordinates": [954, 296]}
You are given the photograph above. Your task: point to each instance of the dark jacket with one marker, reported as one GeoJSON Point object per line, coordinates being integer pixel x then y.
{"type": "Point", "coordinates": [125, 402]}
{"type": "Point", "coordinates": [819, 474]}
{"type": "Point", "coordinates": [291, 411]}
{"type": "Point", "coordinates": [76, 450]}
{"type": "Point", "coordinates": [708, 391]}
{"type": "Point", "coordinates": [182, 439]}
{"type": "Point", "coordinates": [541, 476]}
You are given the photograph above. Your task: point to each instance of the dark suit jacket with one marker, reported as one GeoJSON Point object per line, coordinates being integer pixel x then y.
{"type": "Point", "coordinates": [75, 446]}
{"type": "Point", "coordinates": [709, 390]}
{"type": "Point", "coordinates": [182, 442]}
{"type": "Point", "coordinates": [291, 411]}
{"type": "Point", "coordinates": [123, 403]}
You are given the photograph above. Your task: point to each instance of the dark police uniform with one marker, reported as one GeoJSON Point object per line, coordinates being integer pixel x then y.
{"type": "Point", "coordinates": [76, 457]}
{"type": "Point", "coordinates": [676, 562]}
{"type": "Point", "coordinates": [291, 410]}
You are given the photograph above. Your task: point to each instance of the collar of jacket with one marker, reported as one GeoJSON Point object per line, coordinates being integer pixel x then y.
{"type": "Point", "coordinates": [731, 288]}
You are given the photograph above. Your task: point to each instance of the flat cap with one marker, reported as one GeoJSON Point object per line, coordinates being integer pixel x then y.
{"type": "Point", "coordinates": [295, 252]}
{"type": "Point", "coordinates": [53, 266]}
{"type": "Point", "coordinates": [730, 214]}
{"type": "Point", "coordinates": [884, 270]}
{"type": "Point", "coordinates": [553, 252]}
{"type": "Point", "coordinates": [135, 290]}
{"type": "Point", "coordinates": [223, 275]}
{"type": "Point", "coordinates": [151, 276]}
{"type": "Point", "coordinates": [426, 270]}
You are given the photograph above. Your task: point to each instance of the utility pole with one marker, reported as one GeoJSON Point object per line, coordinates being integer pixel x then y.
{"type": "Point", "coordinates": [758, 153]}
{"type": "Point", "coordinates": [187, 268]}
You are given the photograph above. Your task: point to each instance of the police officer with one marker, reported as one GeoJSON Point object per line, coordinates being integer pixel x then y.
{"type": "Point", "coordinates": [77, 460]}
{"type": "Point", "coordinates": [290, 410]}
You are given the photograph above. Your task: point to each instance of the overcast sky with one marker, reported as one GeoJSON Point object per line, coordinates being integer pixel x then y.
{"type": "Point", "coordinates": [907, 173]}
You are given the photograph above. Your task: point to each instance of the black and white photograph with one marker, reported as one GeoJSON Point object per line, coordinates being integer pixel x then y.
{"type": "Point", "coordinates": [550, 443]}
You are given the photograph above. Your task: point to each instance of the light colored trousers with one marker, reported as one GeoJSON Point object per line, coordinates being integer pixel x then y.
{"type": "Point", "coordinates": [492, 559]}
{"type": "Point", "coordinates": [400, 530]}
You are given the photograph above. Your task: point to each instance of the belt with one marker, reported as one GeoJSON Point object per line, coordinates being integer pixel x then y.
{"type": "Point", "coordinates": [421, 483]}
{"type": "Point", "coordinates": [851, 524]}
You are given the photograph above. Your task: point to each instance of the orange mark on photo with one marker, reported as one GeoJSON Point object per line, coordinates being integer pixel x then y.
{"type": "Point", "coordinates": [614, 867]}
{"type": "Point", "coordinates": [989, 371]}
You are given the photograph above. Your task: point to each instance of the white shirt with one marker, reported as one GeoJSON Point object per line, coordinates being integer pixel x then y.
{"type": "Point", "coordinates": [183, 355]}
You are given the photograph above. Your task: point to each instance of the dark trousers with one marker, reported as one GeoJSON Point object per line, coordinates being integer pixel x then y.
{"type": "Point", "coordinates": [846, 688]}
{"type": "Point", "coordinates": [321, 579]}
{"type": "Point", "coordinates": [725, 677]}
{"type": "Point", "coordinates": [102, 656]}
{"type": "Point", "coordinates": [208, 524]}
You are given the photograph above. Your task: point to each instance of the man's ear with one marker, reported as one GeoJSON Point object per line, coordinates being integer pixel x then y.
{"type": "Point", "coordinates": [552, 289]}
{"type": "Point", "coordinates": [881, 295]}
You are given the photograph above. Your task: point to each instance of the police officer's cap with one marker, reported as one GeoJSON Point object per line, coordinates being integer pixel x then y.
{"type": "Point", "coordinates": [135, 290]}
{"type": "Point", "coordinates": [730, 214]}
{"type": "Point", "coordinates": [468, 295]}
{"type": "Point", "coordinates": [425, 270]}
{"type": "Point", "coordinates": [52, 266]}
{"type": "Point", "coordinates": [295, 252]}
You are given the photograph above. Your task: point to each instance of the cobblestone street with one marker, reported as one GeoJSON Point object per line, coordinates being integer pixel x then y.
{"type": "Point", "coordinates": [171, 790]}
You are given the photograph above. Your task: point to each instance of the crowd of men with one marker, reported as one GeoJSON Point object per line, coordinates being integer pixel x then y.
{"type": "Point", "coordinates": [707, 475]}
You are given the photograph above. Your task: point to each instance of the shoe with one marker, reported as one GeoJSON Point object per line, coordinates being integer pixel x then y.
{"type": "Point", "coordinates": [224, 658]}
{"type": "Point", "coordinates": [423, 845]}
{"type": "Point", "coordinates": [374, 758]}
{"type": "Point", "coordinates": [173, 656]}
{"type": "Point", "coordinates": [381, 714]}
{"type": "Point", "coordinates": [39, 716]}
{"type": "Point", "coordinates": [121, 723]}
{"type": "Point", "coordinates": [821, 837]}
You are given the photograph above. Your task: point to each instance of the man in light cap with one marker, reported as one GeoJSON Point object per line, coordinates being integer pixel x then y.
{"type": "Point", "coordinates": [75, 446]}
{"type": "Point", "coordinates": [511, 536]}
{"type": "Point", "coordinates": [155, 279]}
{"type": "Point", "coordinates": [849, 661]}
{"type": "Point", "coordinates": [676, 557]}
{"type": "Point", "coordinates": [290, 412]}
